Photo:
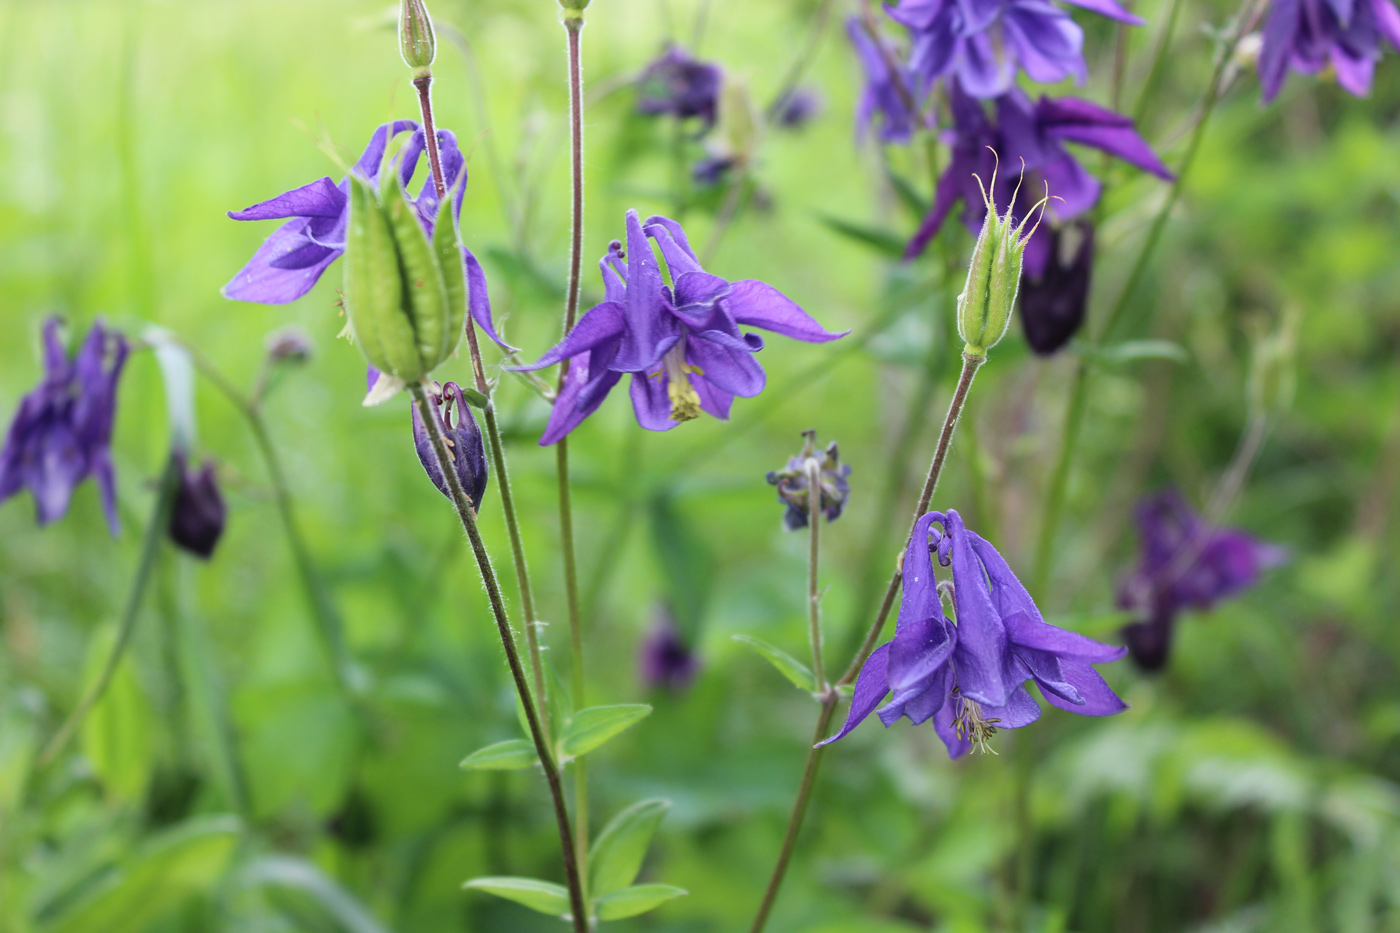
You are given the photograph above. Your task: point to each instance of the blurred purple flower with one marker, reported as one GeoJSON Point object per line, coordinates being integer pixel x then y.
{"type": "Point", "coordinates": [1186, 564]}
{"type": "Point", "coordinates": [798, 108]}
{"type": "Point", "coordinates": [792, 483]}
{"type": "Point", "coordinates": [293, 259]}
{"type": "Point", "coordinates": [62, 431]}
{"type": "Point", "coordinates": [464, 444]}
{"type": "Point", "coordinates": [890, 89]}
{"type": "Point", "coordinates": [1053, 302]}
{"type": "Point", "coordinates": [712, 169]}
{"type": "Point", "coordinates": [681, 342]}
{"type": "Point", "coordinates": [664, 659]}
{"type": "Point", "coordinates": [677, 84]}
{"type": "Point", "coordinates": [984, 42]}
{"type": "Point", "coordinates": [971, 678]}
{"type": "Point", "coordinates": [197, 516]}
{"type": "Point", "coordinates": [1035, 133]}
{"type": "Point", "coordinates": [1309, 35]}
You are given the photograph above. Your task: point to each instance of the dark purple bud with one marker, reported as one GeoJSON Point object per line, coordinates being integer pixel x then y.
{"type": "Point", "coordinates": [1053, 302]}
{"type": "Point", "coordinates": [197, 516]}
{"type": "Point", "coordinates": [664, 660]}
{"type": "Point", "coordinates": [290, 344]}
{"type": "Point", "coordinates": [464, 444]}
{"type": "Point", "coordinates": [798, 109]}
{"type": "Point", "coordinates": [679, 85]}
{"type": "Point", "coordinates": [711, 170]}
{"type": "Point", "coordinates": [794, 482]}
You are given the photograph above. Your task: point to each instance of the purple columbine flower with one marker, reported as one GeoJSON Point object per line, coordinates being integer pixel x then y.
{"type": "Point", "coordinates": [890, 89]}
{"type": "Point", "coordinates": [971, 678]}
{"type": "Point", "coordinates": [293, 259]}
{"type": "Point", "coordinates": [62, 432]}
{"type": "Point", "coordinates": [464, 444]}
{"type": "Point", "coordinates": [1053, 302]}
{"type": "Point", "coordinates": [798, 108]}
{"type": "Point", "coordinates": [1309, 35]}
{"type": "Point", "coordinates": [1186, 563]}
{"type": "Point", "coordinates": [681, 342]}
{"type": "Point", "coordinates": [984, 42]}
{"type": "Point", "coordinates": [664, 660]}
{"type": "Point", "coordinates": [677, 84]}
{"type": "Point", "coordinates": [197, 516]}
{"type": "Point", "coordinates": [1035, 133]}
{"type": "Point", "coordinates": [793, 484]}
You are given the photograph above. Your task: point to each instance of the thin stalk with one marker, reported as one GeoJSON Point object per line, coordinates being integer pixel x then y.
{"type": "Point", "coordinates": [423, 83]}
{"type": "Point", "coordinates": [1074, 413]}
{"type": "Point", "coordinates": [830, 696]}
{"type": "Point", "coordinates": [801, 62]}
{"type": "Point", "coordinates": [573, 28]}
{"type": "Point", "coordinates": [543, 747]}
{"type": "Point", "coordinates": [814, 602]}
{"type": "Point", "coordinates": [1159, 58]}
{"type": "Point", "coordinates": [150, 549]}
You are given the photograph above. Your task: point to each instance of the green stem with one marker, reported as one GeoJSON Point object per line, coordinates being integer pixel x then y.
{"type": "Point", "coordinates": [829, 698]}
{"type": "Point", "coordinates": [814, 604]}
{"type": "Point", "coordinates": [150, 549]}
{"type": "Point", "coordinates": [799, 65]}
{"type": "Point", "coordinates": [573, 27]}
{"type": "Point", "coordinates": [462, 504]}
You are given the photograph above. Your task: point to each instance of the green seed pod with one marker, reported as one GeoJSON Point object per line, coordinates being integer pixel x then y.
{"type": "Point", "coordinates": [417, 42]}
{"type": "Point", "coordinates": [375, 290]}
{"type": "Point", "coordinates": [454, 277]}
{"type": "Point", "coordinates": [424, 291]}
{"type": "Point", "coordinates": [972, 303]}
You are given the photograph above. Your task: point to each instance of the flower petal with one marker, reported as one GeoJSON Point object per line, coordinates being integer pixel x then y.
{"type": "Point", "coordinates": [919, 652]}
{"type": "Point", "coordinates": [727, 362]}
{"type": "Point", "coordinates": [871, 688]}
{"type": "Point", "coordinates": [263, 282]}
{"type": "Point", "coordinates": [651, 329]}
{"type": "Point", "coordinates": [479, 299]}
{"type": "Point", "coordinates": [674, 246]}
{"type": "Point", "coordinates": [758, 304]}
{"type": "Point", "coordinates": [1099, 698]}
{"type": "Point", "coordinates": [601, 322]}
{"type": "Point", "coordinates": [651, 402]}
{"type": "Point", "coordinates": [1024, 631]}
{"type": "Point", "coordinates": [320, 198]}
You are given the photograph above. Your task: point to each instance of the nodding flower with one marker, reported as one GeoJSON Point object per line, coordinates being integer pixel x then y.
{"type": "Point", "coordinates": [681, 342]}
{"type": "Point", "coordinates": [794, 483]}
{"type": "Point", "coordinates": [465, 447]}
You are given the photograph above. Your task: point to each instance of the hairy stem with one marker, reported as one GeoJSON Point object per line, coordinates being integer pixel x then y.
{"type": "Point", "coordinates": [150, 549]}
{"type": "Point", "coordinates": [814, 603]}
{"type": "Point", "coordinates": [543, 746]}
{"type": "Point", "coordinates": [829, 697]}
{"type": "Point", "coordinates": [573, 28]}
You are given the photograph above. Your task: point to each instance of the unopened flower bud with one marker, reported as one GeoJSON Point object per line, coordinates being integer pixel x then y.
{"type": "Point", "coordinates": [993, 276]}
{"type": "Point", "coordinates": [197, 515]}
{"type": "Point", "coordinates": [417, 43]}
{"type": "Point", "coordinates": [464, 444]}
{"type": "Point", "coordinates": [289, 344]}
{"type": "Point", "coordinates": [794, 483]}
{"type": "Point", "coordinates": [1273, 372]}
{"type": "Point", "coordinates": [574, 6]}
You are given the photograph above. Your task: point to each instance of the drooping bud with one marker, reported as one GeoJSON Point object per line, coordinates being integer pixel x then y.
{"type": "Point", "coordinates": [464, 444]}
{"type": "Point", "coordinates": [197, 515]}
{"type": "Point", "coordinates": [405, 296]}
{"type": "Point", "coordinates": [794, 483]}
{"type": "Point", "coordinates": [664, 659]}
{"type": "Point", "coordinates": [1054, 299]}
{"type": "Point", "coordinates": [1273, 371]}
{"type": "Point", "coordinates": [289, 344]}
{"type": "Point", "coordinates": [417, 42]}
{"type": "Point", "coordinates": [572, 8]}
{"type": "Point", "coordinates": [993, 276]}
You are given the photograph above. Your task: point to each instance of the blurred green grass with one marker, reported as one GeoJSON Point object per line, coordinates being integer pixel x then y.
{"type": "Point", "coordinates": [1250, 788]}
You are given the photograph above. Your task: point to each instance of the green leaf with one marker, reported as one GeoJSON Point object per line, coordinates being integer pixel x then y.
{"type": "Point", "coordinates": [118, 735]}
{"type": "Point", "coordinates": [636, 900]}
{"type": "Point", "coordinates": [882, 242]}
{"type": "Point", "coordinates": [510, 755]}
{"type": "Point", "coordinates": [297, 876]}
{"type": "Point", "coordinates": [161, 874]}
{"type": "Point", "coordinates": [1132, 351]}
{"type": "Point", "coordinates": [474, 398]}
{"type": "Point", "coordinates": [543, 896]}
{"type": "Point", "coordinates": [909, 196]}
{"type": "Point", "coordinates": [791, 668]}
{"type": "Point", "coordinates": [617, 853]}
{"type": "Point", "coordinates": [589, 728]}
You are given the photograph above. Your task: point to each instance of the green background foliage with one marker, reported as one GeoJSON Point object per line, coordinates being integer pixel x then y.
{"type": "Point", "coordinates": [225, 783]}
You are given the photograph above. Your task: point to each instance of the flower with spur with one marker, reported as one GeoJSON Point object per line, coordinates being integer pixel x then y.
{"type": "Point", "coordinates": [464, 444]}
{"type": "Point", "coordinates": [983, 42]}
{"type": "Point", "coordinates": [62, 432]}
{"type": "Point", "coordinates": [1033, 135]}
{"type": "Point", "coordinates": [970, 678]}
{"type": "Point", "coordinates": [293, 259]}
{"type": "Point", "coordinates": [891, 99]}
{"type": "Point", "coordinates": [1186, 563]}
{"type": "Point", "coordinates": [677, 84]}
{"type": "Point", "coordinates": [1310, 35]}
{"type": "Point", "coordinates": [794, 483]}
{"type": "Point", "coordinates": [680, 342]}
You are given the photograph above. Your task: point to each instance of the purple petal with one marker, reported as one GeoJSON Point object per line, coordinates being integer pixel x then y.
{"type": "Point", "coordinates": [1020, 710]}
{"type": "Point", "coordinates": [1072, 189]}
{"type": "Point", "coordinates": [1087, 123]}
{"type": "Point", "coordinates": [981, 71]}
{"type": "Point", "coordinates": [373, 156]}
{"type": "Point", "coordinates": [871, 688]}
{"type": "Point", "coordinates": [1387, 20]}
{"type": "Point", "coordinates": [1277, 46]}
{"type": "Point", "coordinates": [1047, 42]}
{"type": "Point", "coordinates": [947, 731]}
{"type": "Point", "coordinates": [321, 198]}
{"type": "Point", "coordinates": [920, 600]}
{"type": "Point", "coordinates": [263, 282]}
{"type": "Point", "coordinates": [674, 245]}
{"type": "Point", "coordinates": [919, 652]}
{"type": "Point", "coordinates": [650, 401]}
{"type": "Point", "coordinates": [727, 362]}
{"type": "Point", "coordinates": [982, 657]}
{"type": "Point", "coordinates": [567, 413]}
{"type": "Point", "coordinates": [713, 400]}
{"type": "Point", "coordinates": [1354, 73]}
{"type": "Point", "coordinates": [1024, 631]}
{"type": "Point", "coordinates": [1111, 10]}
{"type": "Point", "coordinates": [1099, 698]}
{"type": "Point", "coordinates": [479, 299]}
{"type": "Point", "coordinates": [651, 329]}
{"type": "Point", "coordinates": [601, 322]}
{"type": "Point", "coordinates": [757, 304]}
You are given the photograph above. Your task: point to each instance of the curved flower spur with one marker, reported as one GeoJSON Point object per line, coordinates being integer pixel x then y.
{"type": "Point", "coordinates": [970, 678]}
{"type": "Point", "coordinates": [680, 342]}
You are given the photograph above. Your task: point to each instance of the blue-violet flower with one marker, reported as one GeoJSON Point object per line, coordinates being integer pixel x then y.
{"type": "Point", "coordinates": [1309, 35]}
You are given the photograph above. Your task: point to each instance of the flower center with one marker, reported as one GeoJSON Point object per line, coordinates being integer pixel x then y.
{"type": "Point", "coordinates": [685, 401]}
{"type": "Point", "coordinates": [972, 725]}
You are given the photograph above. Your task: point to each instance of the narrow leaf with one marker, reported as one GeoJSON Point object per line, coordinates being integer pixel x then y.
{"type": "Point", "coordinates": [618, 852]}
{"type": "Point", "coordinates": [915, 202]}
{"type": "Point", "coordinates": [791, 668]}
{"type": "Point", "coordinates": [510, 755]}
{"type": "Point", "coordinates": [589, 728]}
{"type": "Point", "coordinates": [1133, 350]}
{"type": "Point", "coordinates": [882, 242]}
{"type": "Point", "coordinates": [543, 896]}
{"type": "Point", "coordinates": [636, 900]}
